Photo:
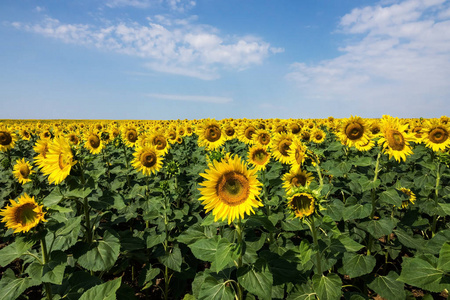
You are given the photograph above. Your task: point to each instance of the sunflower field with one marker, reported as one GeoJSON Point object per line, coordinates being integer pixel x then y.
{"type": "Point", "coordinates": [291, 209]}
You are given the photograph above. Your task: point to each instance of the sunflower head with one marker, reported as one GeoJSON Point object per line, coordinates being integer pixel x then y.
{"type": "Point", "coordinates": [23, 215]}
{"type": "Point", "coordinates": [7, 138]}
{"type": "Point", "coordinates": [210, 134]}
{"type": "Point", "coordinates": [302, 204]}
{"type": "Point", "coordinates": [395, 139]}
{"type": "Point", "coordinates": [22, 171]}
{"type": "Point", "coordinates": [281, 145]}
{"type": "Point", "coordinates": [296, 178]}
{"type": "Point", "coordinates": [58, 161]}
{"type": "Point", "coordinates": [436, 135]}
{"type": "Point", "coordinates": [230, 189]}
{"type": "Point", "coordinates": [411, 197]}
{"type": "Point", "coordinates": [259, 157]}
{"type": "Point", "coordinates": [261, 137]}
{"type": "Point", "coordinates": [147, 160]}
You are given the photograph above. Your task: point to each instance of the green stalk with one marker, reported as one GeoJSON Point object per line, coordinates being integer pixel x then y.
{"type": "Point", "coordinates": [87, 220]}
{"type": "Point", "coordinates": [313, 229]}
{"type": "Point", "coordinates": [319, 173]}
{"type": "Point", "coordinates": [48, 288]}
{"type": "Point", "coordinates": [166, 248]}
{"type": "Point", "coordinates": [126, 164]}
{"type": "Point", "coordinates": [266, 199]}
{"type": "Point", "coordinates": [374, 199]}
{"type": "Point", "coordinates": [436, 198]}
{"type": "Point", "coordinates": [240, 289]}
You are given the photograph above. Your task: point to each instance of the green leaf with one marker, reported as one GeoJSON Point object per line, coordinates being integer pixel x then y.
{"type": "Point", "coordinates": [104, 291]}
{"type": "Point", "coordinates": [173, 259]}
{"type": "Point", "coordinates": [327, 287]}
{"type": "Point", "coordinates": [421, 273]}
{"type": "Point", "coordinates": [224, 254]}
{"type": "Point", "coordinates": [257, 279]}
{"type": "Point", "coordinates": [304, 292]}
{"type": "Point", "coordinates": [147, 275]}
{"type": "Point", "coordinates": [344, 243]}
{"type": "Point", "coordinates": [192, 234]}
{"type": "Point", "coordinates": [19, 247]}
{"type": "Point", "coordinates": [205, 249]}
{"type": "Point", "coordinates": [65, 236]}
{"type": "Point", "coordinates": [444, 258]}
{"type": "Point", "coordinates": [408, 240]}
{"type": "Point", "coordinates": [212, 289]}
{"type": "Point", "coordinates": [391, 196]}
{"type": "Point", "coordinates": [388, 287]}
{"type": "Point", "coordinates": [356, 265]}
{"type": "Point", "coordinates": [14, 288]}
{"type": "Point", "coordinates": [357, 211]}
{"type": "Point", "coordinates": [101, 255]}
{"type": "Point", "coordinates": [378, 228]}
{"type": "Point", "coordinates": [53, 198]}
{"type": "Point", "coordinates": [445, 207]}
{"type": "Point", "coordinates": [79, 193]}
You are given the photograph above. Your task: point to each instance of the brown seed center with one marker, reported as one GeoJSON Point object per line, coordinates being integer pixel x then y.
{"type": "Point", "coordinates": [233, 188]}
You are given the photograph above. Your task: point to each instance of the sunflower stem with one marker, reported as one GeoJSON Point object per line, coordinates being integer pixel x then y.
{"type": "Point", "coordinates": [48, 288]}
{"type": "Point", "coordinates": [87, 220]}
{"type": "Point", "coordinates": [126, 164]}
{"type": "Point", "coordinates": [238, 226]}
{"type": "Point", "coordinates": [319, 173]}
{"type": "Point", "coordinates": [374, 198]}
{"type": "Point", "coordinates": [436, 199]}
{"type": "Point", "coordinates": [266, 199]}
{"type": "Point", "coordinates": [313, 229]}
{"type": "Point", "coordinates": [166, 248]}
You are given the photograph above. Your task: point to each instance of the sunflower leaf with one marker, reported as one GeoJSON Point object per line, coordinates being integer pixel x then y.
{"type": "Point", "coordinates": [257, 279]}
{"type": "Point", "coordinates": [327, 287]}
{"type": "Point", "coordinates": [104, 291]}
{"type": "Point", "coordinates": [388, 286]}
{"type": "Point", "coordinates": [212, 289]}
{"type": "Point", "coordinates": [14, 250]}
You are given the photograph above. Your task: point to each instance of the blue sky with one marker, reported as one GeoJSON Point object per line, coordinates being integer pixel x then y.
{"type": "Point", "coordinates": [193, 59]}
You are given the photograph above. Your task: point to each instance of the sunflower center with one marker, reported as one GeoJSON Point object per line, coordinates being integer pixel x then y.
{"type": "Point", "coordinates": [354, 131]}
{"type": "Point", "coordinates": [260, 156]}
{"type": "Point", "coordinates": [159, 142]}
{"type": "Point", "coordinates": [295, 128]}
{"type": "Point", "coordinates": [249, 131]}
{"type": "Point", "coordinates": [301, 203]}
{"type": "Point", "coordinates": [213, 133]}
{"type": "Point", "coordinates": [319, 136]}
{"type": "Point", "coordinates": [64, 160]}
{"type": "Point", "coordinates": [131, 135]}
{"type": "Point", "coordinates": [148, 159]}
{"type": "Point", "coordinates": [25, 213]}
{"type": "Point", "coordinates": [298, 180]}
{"type": "Point", "coordinates": [5, 138]}
{"type": "Point", "coordinates": [395, 139]}
{"type": "Point", "coordinates": [233, 188]}
{"type": "Point", "coordinates": [24, 171]}
{"type": "Point", "coordinates": [438, 135]}
{"type": "Point", "coordinates": [264, 138]}
{"type": "Point", "coordinates": [284, 146]}
{"type": "Point", "coordinates": [73, 139]}
{"type": "Point", "coordinates": [94, 141]}
{"type": "Point", "coordinates": [229, 131]}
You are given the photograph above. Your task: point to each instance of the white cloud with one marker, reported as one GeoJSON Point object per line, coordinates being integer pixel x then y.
{"type": "Point", "coordinates": [177, 46]}
{"type": "Point", "coordinates": [399, 60]}
{"type": "Point", "coordinates": [175, 5]}
{"type": "Point", "coordinates": [192, 98]}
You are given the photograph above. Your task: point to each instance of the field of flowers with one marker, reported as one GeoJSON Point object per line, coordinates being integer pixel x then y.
{"type": "Point", "coordinates": [225, 209]}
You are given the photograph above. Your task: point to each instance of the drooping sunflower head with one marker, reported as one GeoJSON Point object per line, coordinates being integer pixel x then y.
{"type": "Point", "coordinates": [230, 189]}
{"type": "Point", "coordinates": [58, 161]}
{"type": "Point", "coordinates": [296, 178]}
{"type": "Point", "coordinates": [147, 160]}
{"type": "Point", "coordinates": [302, 204]}
{"type": "Point", "coordinates": [7, 138]}
{"type": "Point", "coordinates": [259, 157]}
{"type": "Point", "coordinates": [210, 134]}
{"type": "Point", "coordinates": [280, 145]}
{"type": "Point", "coordinates": [23, 215]}
{"type": "Point", "coordinates": [305, 135]}
{"type": "Point", "coordinates": [436, 135]}
{"type": "Point", "coordinates": [411, 197]}
{"type": "Point", "coordinates": [22, 171]}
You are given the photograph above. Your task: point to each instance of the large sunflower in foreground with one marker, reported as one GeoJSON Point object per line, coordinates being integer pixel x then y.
{"type": "Point", "coordinates": [147, 159]}
{"type": "Point", "coordinates": [230, 189]}
{"type": "Point", "coordinates": [436, 135]}
{"type": "Point", "coordinates": [23, 215]}
{"type": "Point", "coordinates": [58, 161]}
{"type": "Point", "coordinates": [395, 139]}
{"type": "Point", "coordinates": [22, 171]}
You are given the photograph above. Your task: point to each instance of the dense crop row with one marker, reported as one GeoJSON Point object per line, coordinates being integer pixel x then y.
{"type": "Point", "coordinates": [206, 209]}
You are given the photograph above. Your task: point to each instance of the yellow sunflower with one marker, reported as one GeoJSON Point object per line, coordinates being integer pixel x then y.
{"type": "Point", "coordinates": [261, 137]}
{"type": "Point", "coordinates": [246, 132]}
{"type": "Point", "coordinates": [73, 138]}
{"type": "Point", "coordinates": [302, 204]}
{"type": "Point", "coordinates": [297, 153]}
{"type": "Point", "coordinates": [354, 130]}
{"type": "Point", "coordinates": [147, 160]}
{"type": "Point", "coordinates": [296, 178]}
{"type": "Point", "coordinates": [436, 135]}
{"type": "Point", "coordinates": [93, 142]}
{"type": "Point", "coordinates": [411, 197]}
{"type": "Point", "coordinates": [280, 145]}
{"type": "Point", "coordinates": [395, 139]}
{"type": "Point", "coordinates": [25, 134]}
{"type": "Point", "coordinates": [22, 171]}
{"type": "Point", "coordinates": [7, 138]}
{"type": "Point", "coordinates": [159, 140]}
{"type": "Point", "coordinates": [58, 161]}
{"type": "Point", "coordinates": [230, 189]}
{"type": "Point", "coordinates": [23, 215]}
{"type": "Point", "coordinates": [210, 134]}
{"type": "Point", "coordinates": [130, 135]}
{"type": "Point", "coordinates": [318, 135]}
{"type": "Point", "coordinates": [259, 157]}
{"type": "Point", "coordinates": [41, 148]}
{"type": "Point", "coordinates": [229, 131]}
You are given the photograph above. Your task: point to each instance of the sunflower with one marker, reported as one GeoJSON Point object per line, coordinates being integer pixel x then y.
{"type": "Point", "coordinates": [302, 204]}
{"type": "Point", "coordinates": [261, 137]}
{"type": "Point", "coordinates": [73, 138]}
{"type": "Point", "coordinates": [436, 135]}
{"type": "Point", "coordinates": [229, 131]}
{"type": "Point", "coordinates": [23, 215]}
{"type": "Point", "coordinates": [297, 153]}
{"type": "Point", "coordinates": [394, 138]}
{"type": "Point", "coordinates": [147, 160]}
{"type": "Point", "coordinates": [246, 132]}
{"type": "Point", "coordinates": [411, 197]}
{"type": "Point", "coordinates": [230, 189]}
{"type": "Point", "coordinates": [259, 157]}
{"type": "Point", "coordinates": [58, 160]}
{"type": "Point", "coordinates": [25, 134]}
{"type": "Point", "coordinates": [130, 136]}
{"type": "Point", "coordinates": [159, 140]}
{"type": "Point", "coordinates": [210, 134]}
{"type": "Point", "coordinates": [365, 146]}
{"type": "Point", "coordinates": [354, 130]}
{"type": "Point", "coordinates": [296, 178]}
{"type": "Point", "coordinates": [318, 135]}
{"type": "Point", "coordinates": [22, 171]}
{"type": "Point", "coordinates": [280, 145]}
{"type": "Point", "coordinates": [93, 142]}
{"type": "Point", "coordinates": [7, 138]}
{"type": "Point", "coordinates": [41, 148]}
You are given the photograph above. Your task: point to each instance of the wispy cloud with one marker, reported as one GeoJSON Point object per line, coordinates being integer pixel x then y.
{"type": "Point", "coordinates": [175, 5]}
{"type": "Point", "coordinates": [177, 46]}
{"type": "Point", "coordinates": [398, 60]}
{"type": "Point", "coordinates": [191, 98]}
